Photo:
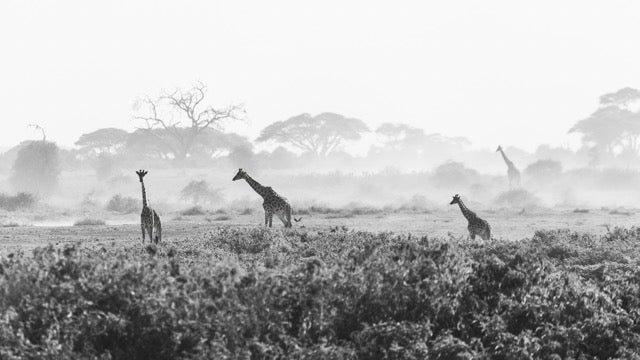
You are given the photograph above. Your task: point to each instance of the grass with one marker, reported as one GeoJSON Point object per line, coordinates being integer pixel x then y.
{"type": "Point", "coordinates": [331, 293]}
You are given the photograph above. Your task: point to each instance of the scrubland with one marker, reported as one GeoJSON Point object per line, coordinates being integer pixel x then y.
{"type": "Point", "coordinates": [324, 293]}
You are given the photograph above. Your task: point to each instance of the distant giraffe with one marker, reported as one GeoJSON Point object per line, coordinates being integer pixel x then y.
{"type": "Point", "coordinates": [512, 171]}
{"type": "Point", "coordinates": [149, 219]}
{"type": "Point", "coordinates": [273, 202]}
{"type": "Point", "coordinates": [477, 226]}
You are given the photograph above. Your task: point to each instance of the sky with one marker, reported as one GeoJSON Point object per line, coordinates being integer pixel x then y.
{"type": "Point", "coordinates": [497, 72]}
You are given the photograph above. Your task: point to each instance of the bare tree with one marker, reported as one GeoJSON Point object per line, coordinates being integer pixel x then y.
{"type": "Point", "coordinates": [38, 127]}
{"type": "Point", "coordinates": [193, 118]}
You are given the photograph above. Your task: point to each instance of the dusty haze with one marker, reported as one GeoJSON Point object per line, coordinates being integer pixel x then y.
{"type": "Point", "coordinates": [450, 81]}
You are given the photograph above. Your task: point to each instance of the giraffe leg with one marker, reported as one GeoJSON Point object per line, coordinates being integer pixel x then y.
{"type": "Point", "coordinates": [270, 219]}
{"type": "Point", "coordinates": [150, 232]}
{"type": "Point", "coordinates": [288, 217]}
{"type": "Point", "coordinates": [266, 218]}
{"type": "Point", "coordinates": [142, 226]}
{"type": "Point", "coordinates": [158, 233]}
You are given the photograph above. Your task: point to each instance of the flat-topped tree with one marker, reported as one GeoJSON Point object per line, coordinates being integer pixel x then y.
{"type": "Point", "coordinates": [319, 135]}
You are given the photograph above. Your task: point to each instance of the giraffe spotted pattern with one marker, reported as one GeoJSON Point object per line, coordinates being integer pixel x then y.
{"type": "Point", "coordinates": [477, 226]}
{"type": "Point", "coordinates": [273, 203]}
{"type": "Point", "coordinates": [149, 218]}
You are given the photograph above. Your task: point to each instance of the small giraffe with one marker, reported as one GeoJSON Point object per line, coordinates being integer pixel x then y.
{"type": "Point", "coordinates": [512, 171]}
{"type": "Point", "coordinates": [149, 219]}
{"type": "Point", "coordinates": [274, 203]}
{"type": "Point", "coordinates": [477, 226]}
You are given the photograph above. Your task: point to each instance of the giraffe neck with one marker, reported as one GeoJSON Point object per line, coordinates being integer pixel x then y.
{"type": "Point", "coordinates": [144, 195]}
{"type": "Point", "coordinates": [506, 159]}
{"type": "Point", "coordinates": [261, 190]}
{"type": "Point", "coordinates": [468, 214]}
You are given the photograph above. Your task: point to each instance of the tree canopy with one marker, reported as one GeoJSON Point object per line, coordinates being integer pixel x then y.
{"type": "Point", "coordinates": [102, 140]}
{"type": "Point", "coordinates": [320, 134]}
{"type": "Point", "coordinates": [402, 137]}
{"type": "Point", "coordinates": [614, 126]}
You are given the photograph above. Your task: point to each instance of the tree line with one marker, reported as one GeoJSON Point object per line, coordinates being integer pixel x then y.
{"type": "Point", "coordinates": [181, 128]}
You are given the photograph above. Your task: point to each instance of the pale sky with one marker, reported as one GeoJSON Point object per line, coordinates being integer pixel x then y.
{"type": "Point", "coordinates": [509, 72]}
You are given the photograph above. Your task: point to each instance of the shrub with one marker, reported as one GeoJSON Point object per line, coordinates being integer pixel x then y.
{"type": "Point", "coordinates": [328, 294]}
{"type": "Point", "coordinates": [517, 198]}
{"type": "Point", "coordinates": [193, 211]}
{"type": "Point", "coordinates": [20, 201]}
{"type": "Point", "coordinates": [452, 174]}
{"type": "Point", "coordinates": [89, 222]}
{"type": "Point", "coordinates": [123, 205]}
{"type": "Point", "coordinates": [544, 170]}
{"type": "Point", "coordinates": [198, 192]}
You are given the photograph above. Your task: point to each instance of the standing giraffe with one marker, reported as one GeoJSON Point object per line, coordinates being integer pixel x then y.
{"type": "Point", "coordinates": [477, 226]}
{"type": "Point", "coordinates": [274, 203]}
{"type": "Point", "coordinates": [149, 219]}
{"type": "Point", "coordinates": [512, 171]}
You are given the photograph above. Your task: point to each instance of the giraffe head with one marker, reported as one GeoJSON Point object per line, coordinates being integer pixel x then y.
{"type": "Point", "coordinates": [499, 148]}
{"type": "Point", "coordinates": [240, 175]}
{"type": "Point", "coordinates": [456, 199]}
{"type": "Point", "coordinates": [141, 174]}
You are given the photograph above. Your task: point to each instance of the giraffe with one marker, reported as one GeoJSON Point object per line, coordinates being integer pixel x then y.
{"type": "Point", "coordinates": [512, 171]}
{"type": "Point", "coordinates": [274, 203]}
{"type": "Point", "coordinates": [477, 226]}
{"type": "Point", "coordinates": [149, 219]}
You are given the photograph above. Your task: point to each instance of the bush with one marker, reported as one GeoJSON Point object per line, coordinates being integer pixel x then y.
{"type": "Point", "coordinates": [452, 174]}
{"type": "Point", "coordinates": [517, 198]}
{"type": "Point", "coordinates": [193, 211]}
{"type": "Point", "coordinates": [36, 168]}
{"type": "Point", "coordinates": [19, 201]}
{"type": "Point", "coordinates": [123, 205]}
{"type": "Point", "coordinates": [200, 192]}
{"type": "Point", "coordinates": [544, 170]}
{"type": "Point", "coordinates": [329, 294]}
{"type": "Point", "coordinates": [89, 222]}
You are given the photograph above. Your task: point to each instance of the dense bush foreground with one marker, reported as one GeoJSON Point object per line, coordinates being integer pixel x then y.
{"type": "Point", "coordinates": [256, 294]}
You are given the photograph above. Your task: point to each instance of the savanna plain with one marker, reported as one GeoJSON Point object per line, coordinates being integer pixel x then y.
{"type": "Point", "coordinates": [350, 281]}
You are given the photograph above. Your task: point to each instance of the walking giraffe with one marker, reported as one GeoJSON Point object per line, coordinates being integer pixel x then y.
{"type": "Point", "coordinates": [274, 203]}
{"type": "Point", "coordinates": [512, 171]}
{"type": "Point", "coordinates": [477, 226]}
{"type": "Point", "coordinates": [149, 219]}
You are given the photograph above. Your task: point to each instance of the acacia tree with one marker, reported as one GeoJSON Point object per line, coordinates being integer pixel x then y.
{"type": "Point", "coordinates": [614, 127]}
{"type": "Point", "coordinates": [403, 137]}
{"type": "Point", "coordinates": [183, 118]}
{"type": "Point", "coordinates": [105, 140]}
{"type": "Point", "coordinates": [319, 135]}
